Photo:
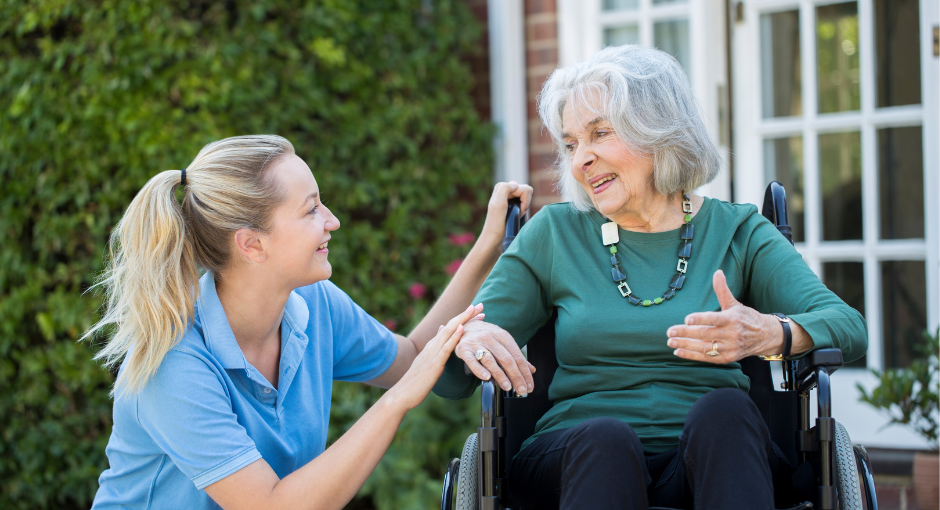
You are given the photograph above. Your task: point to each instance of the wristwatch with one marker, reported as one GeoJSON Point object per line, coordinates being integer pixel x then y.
{"type": "Point", "coordinates": [787, 339]}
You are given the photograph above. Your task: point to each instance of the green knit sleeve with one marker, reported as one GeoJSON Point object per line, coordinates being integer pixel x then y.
{"type": "Point", "coordinates": [515, 297]}
{"type": "Point", "coordinates": [779, 281]}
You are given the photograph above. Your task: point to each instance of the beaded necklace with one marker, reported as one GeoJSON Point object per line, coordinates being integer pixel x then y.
{"type": "Point", "coordinates": [612, 237]}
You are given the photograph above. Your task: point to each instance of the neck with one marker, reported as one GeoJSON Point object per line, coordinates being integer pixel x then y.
{"type": "Point", "coordinates": [651, 212]}
{"type": "Point", "coordinates": [254, 308]}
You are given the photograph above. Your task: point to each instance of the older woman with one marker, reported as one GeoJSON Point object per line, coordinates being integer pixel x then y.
{"type": "Point", "coordinates": [658, 293]}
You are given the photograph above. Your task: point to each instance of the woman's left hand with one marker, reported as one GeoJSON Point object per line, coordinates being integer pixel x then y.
{"type": "Point", "coordinates": [736, 332]}
{"type": "Point", "coordinates": [495, 226]}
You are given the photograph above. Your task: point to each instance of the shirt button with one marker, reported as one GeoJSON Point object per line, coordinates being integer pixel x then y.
{"type": "Point", "coordinates": [267, 390]}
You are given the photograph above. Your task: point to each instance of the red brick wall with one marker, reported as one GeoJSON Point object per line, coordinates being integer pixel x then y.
{"type": "Point", "coordinates": [541, 44]}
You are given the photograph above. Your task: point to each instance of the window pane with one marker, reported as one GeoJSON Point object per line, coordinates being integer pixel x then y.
{"type": "Point", "coordinates": [783, 162]}
{"type": "Point", "coordinates": [673, 38]}
{"type": "Point", "coordinates": [847, 280]}
{"type": "Point", "coordinates": [901, 182]}
{"type": "Point", "coordinates": [904, 310]}
{"type": "Point", "coordinates": [897, 48]}
{"type": "Point", "coordinates": [780, 64]}
{"type": "Point", "coordinates": [619, 5]}
{"type": "Point", "coordinates": [840, 174]}
{"type": "Point", "coordinates": [837, 57]}
{"type": "Point", "coordinates": [621, 35]}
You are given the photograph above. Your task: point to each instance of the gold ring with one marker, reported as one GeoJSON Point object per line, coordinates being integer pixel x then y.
{"type": "Point", "coordinates": [480, 354]}
{"type": "Point", "coordinates": [714, 351]}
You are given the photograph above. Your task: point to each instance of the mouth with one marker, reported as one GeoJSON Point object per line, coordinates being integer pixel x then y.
{"type": "Point", "coordinates": [601, 182]}
{"type": "Point", "coordinates": [322, 247]}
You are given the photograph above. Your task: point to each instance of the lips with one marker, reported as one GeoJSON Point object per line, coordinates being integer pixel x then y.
{"type": "Point", "coordinates": [322, 247]}
{"type": "Point", "coordinates": [601, 182]}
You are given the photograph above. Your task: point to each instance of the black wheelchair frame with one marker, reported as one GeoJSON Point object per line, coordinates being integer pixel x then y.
{"type": "Point", "coordinates": [786, 412]}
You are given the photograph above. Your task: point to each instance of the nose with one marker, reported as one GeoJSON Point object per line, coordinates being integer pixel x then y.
{"type": "Point", "coordinates": [332, 223]}
{"type": "Point", "coordinates": [583, 158]}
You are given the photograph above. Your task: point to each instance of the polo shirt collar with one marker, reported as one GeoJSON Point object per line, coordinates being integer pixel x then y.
{"type": "Point", "coordinates": [217, 333]}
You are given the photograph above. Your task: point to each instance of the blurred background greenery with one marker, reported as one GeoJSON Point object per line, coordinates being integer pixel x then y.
{"type": "Point", "coordinates": [97, 97]}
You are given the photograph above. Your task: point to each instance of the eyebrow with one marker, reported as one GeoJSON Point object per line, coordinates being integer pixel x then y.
{"type": "Point", "coordinates": [315, 194]}
{"type": "Point", "coordinates": [597, 120]}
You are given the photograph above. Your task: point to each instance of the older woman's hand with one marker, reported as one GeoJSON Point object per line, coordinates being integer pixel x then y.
{"type": "Point", "coordinates": [503, 360]}
{"type": "Point", "coordinates": [737, 331]}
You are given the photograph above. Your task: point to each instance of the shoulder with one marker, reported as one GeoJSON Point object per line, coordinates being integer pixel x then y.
{"type": "Point", "coordinates": [556, 217]}
{"type": "Point", "coordinates": [744, 220]}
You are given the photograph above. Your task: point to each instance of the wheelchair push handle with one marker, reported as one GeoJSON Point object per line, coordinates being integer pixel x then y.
{"type": "Point", "coordinates": [514, 221]}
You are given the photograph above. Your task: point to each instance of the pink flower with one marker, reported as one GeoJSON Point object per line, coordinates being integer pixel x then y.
{"type": "Point", "coordinates": [391, 324]}
{"type": "Point", "coordinates": [417, 290]}
{"type": "Point", "coordinates": [453, 266]}
{"type": "Point", "coordinates": [461, 239]}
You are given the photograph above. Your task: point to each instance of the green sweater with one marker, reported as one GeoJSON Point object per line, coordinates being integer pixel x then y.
{"type": "Point", "coordinates": [612, 356]}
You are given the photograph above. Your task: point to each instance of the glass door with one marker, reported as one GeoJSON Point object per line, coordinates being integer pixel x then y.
{"type": "Point", "coordinates": [838, 101]}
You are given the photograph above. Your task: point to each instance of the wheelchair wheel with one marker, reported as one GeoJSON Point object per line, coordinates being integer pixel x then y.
{"type": "Point", "coordinates": [466, 489]}
{"type": "Point", "coordinates": [847, 479]}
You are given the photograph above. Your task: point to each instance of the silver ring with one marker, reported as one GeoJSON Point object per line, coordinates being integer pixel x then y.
{"type": "Point", "coordinates": [480, 353]}
{"type": "Point", "coordinates": [714, 350]}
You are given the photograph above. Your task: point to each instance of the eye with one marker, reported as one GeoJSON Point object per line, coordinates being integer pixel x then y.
{"type": "Point", "coordinates": [569, 147]}
{"type": "Point", "coordinates": [314, 210]}
{"type": "Point", "coordinates": [601, 133]}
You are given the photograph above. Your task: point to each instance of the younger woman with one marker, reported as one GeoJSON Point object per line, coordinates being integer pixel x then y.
{"type": "Point", "coordinates": [223, 395]}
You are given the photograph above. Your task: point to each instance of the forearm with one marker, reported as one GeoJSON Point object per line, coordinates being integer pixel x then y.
{"type": "Point", "coordinates": [333, 478]}
{"type": "Point", "coordinates": [461, 289]}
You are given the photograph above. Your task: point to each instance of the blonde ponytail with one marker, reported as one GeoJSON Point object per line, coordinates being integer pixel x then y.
{"type": "Point", "coordinates": [152, 279]}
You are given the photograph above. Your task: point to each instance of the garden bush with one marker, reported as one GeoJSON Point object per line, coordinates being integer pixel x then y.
{"type": "Point", "coordinates": [97, 97]}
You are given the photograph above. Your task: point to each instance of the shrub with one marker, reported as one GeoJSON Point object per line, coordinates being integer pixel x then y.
{"type": "Point", "coordinates": [97, 97]}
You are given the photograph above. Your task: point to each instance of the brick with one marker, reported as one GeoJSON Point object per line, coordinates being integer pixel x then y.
{"type": "Point", "coordinates": [540, 162]}
{"type": "Point", "coordinates": [537, 6]}
{"type": "Point", "coordinates": [543, 30]}
{"type": "Point", "coordinates": [541, 57]}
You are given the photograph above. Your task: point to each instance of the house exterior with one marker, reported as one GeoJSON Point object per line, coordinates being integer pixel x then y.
{"type": "Point", "coordinates": [838, 100]}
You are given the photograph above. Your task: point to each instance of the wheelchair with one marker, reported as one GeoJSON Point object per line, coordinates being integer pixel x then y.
{"type": "Point", "coordinates": [830, 472]}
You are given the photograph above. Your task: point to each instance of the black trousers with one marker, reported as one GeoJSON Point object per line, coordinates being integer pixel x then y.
{"type": "Point", "coordinates": [725, 460]}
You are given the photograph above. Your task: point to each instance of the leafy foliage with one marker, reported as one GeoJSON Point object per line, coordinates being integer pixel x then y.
{"type": "Point", "coordinates": [910, 396]}
{"type": "Point", "coordinates": [97, 97]}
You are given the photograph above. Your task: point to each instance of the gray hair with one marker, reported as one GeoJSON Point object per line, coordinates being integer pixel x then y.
{"type": "Point", "coordinates": [646, 97]}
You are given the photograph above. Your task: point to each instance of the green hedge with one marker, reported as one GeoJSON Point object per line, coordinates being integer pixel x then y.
{"type": "Point", "coordinates": [96, 97]}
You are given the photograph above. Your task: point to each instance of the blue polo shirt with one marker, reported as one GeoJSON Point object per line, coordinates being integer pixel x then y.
{"type": "Point", "coordinates": [207, 412]}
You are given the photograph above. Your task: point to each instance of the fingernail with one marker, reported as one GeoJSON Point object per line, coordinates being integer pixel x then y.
{"type": "Point", "coordinates": [522, 391]}
{"type": "Point", "coordinates": [486, 376]}
{"type": "Point", "coordinates": [689, 320]}
{"type": "Point", "coordinates": [440, 328]}
{"type": "Point", "coordinates": [675, 352]}
{"type": "Point", "coordinates": [671, 343]}
{"type": "Point", "coordinates": [478, 305]}
{"type": "Point", "coordinates": [507, 387]}
{"type": "Point", "coordinates": [671, 332]}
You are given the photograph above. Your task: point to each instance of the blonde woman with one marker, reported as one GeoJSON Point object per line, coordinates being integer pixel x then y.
{"type": "Point", "coordinates": [223, 395]}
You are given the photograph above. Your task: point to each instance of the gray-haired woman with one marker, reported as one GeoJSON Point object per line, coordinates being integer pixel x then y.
{"type": "Point", "coordinates": [650, 404]}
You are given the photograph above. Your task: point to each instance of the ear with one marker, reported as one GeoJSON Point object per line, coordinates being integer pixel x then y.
{"type": "Point", "coordinates": [248, 243]}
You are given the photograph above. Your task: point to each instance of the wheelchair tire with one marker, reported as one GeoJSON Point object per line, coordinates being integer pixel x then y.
{"type": "Point", "coordinates": [847, 479]}
{"type": "Point", "coordinates": [467, 493]}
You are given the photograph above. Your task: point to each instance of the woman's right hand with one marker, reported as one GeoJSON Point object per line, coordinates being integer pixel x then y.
{"type": "Point", "coordinates": [427, 367]}
{"type": "Point", "coordinates": [503, 360]}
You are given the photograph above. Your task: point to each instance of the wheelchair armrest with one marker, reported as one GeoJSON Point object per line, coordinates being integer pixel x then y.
{"type": "Point", "coordinates": [830, 358]}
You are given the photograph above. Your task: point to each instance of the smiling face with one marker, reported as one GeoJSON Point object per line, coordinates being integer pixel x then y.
{"type": "Point", "coordinates": [617, 179]}
{"type": "Point", "coordinates": [300, 227]}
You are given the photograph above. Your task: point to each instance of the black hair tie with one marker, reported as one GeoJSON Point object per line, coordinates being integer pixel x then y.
{"type": "Point", "coordinates": [183, 177]}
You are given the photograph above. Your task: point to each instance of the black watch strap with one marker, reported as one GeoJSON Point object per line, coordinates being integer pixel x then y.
{"type": "Point", "coordinates": [787, 334]}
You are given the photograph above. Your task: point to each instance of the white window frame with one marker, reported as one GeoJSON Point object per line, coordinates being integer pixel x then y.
{"type": "Point", "coordinates": [751, 130]}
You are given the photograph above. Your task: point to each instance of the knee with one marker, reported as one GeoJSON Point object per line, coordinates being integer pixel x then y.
{"type": "Point", "coordinates": [606, 437]}
{"type": "Point", "coordinates": [726, 409]}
